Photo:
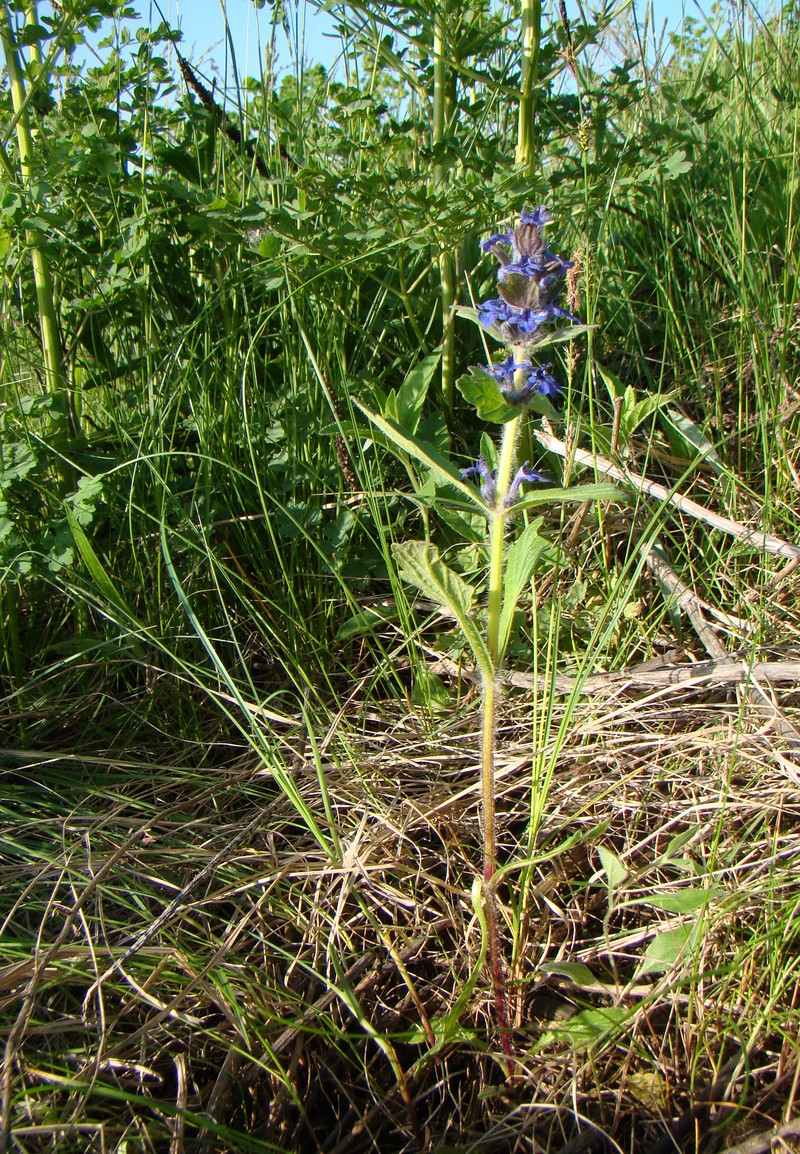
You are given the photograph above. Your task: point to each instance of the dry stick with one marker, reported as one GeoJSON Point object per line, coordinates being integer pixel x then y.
{"type": "Point", "coordinates": [690, 605]}
{"type": "Point", "coordinates": [754, 537]}
{"type": "Point", "coordinates": [659, 673]}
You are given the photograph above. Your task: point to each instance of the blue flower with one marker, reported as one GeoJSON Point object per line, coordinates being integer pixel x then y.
{"type": "Point", "coordinates": [498, 238]}
{"type": "Point", "coordinates": [538, 218]}
{"type": "Point", "coordinates": [529, 476]}
{"type": "Point", "coordinates": [546, 267]}
{"type": "Point", "coordinates": [492, 312]}
{"type": "Point", "coordinates": [536, 380]}
{"type": "Point", "coordinates": [502, 371]}
{"type": "Point", "coordinates": [487, 477]}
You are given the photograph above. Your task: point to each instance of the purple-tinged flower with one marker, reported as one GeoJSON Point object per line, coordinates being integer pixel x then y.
{"type": "Point", "coordinates": [535, 381]}
{"type": "Point", "coordinates": [501, 372]}
{"type": "Point", "coordinates": [519, 325]}
{"type": "Point", "coordinates": [529, 279]}
{"type": "Point", "coordinates": [480, 470]}
{"type": "Point", "coordinates": [492, 312]}
{"type": "Point", "coordinates": [529, 476]}
{"type": "Point", "coordinates": [546, 267]}
{"type": "Point", "coordinates": [538, 218]}
{"type": "Point", "coordinates": [498, 238]}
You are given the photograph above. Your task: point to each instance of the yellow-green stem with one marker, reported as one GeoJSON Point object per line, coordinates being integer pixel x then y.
{"type": "Point", "coordinates": [531, 40]}
{"type": "Point", "coordinates": [447, 288]}
{"type": "Point", "coordinates": [45, 297]}
{"type": "Point", "coordinates": [505, 468]}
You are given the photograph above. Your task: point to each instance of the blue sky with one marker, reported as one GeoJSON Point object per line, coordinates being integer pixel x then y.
{"type": "Point", "coordinates": [203, 26]}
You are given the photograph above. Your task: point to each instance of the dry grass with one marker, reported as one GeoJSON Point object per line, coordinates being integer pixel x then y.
{"type": "Point", "coordinates": [274, 994]}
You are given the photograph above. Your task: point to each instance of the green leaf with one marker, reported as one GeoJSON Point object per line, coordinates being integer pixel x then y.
{"type": "Point", "coordinates": [414, 389]}
{"type": "Point", "coordinates": [90, 491]}
{"type": "Point", "coordinates": [602, 491]}
{"type": "Point", "coordinates": [587, 1027]}
{"type": "Point", "coordinates": [694, 440]}
{"type": "Point", "coordinates": [521, 560]}
{"type": "Point", "coordinates": [93, 563]}
{"type": "Point", "coordinates": [613, 868]}
{"type": "Point", "coordinates": [483, 393]}
{"type": "Point", "coordinates": [421, 566]}
{"type": "Point", "coordinates": [575, 972]}
{"type": "Point", "coordinates": [683, 901]}
{"type": "Point", "coordinates": [634, 412]}
{"type": "Point", "coordinates": [677, 165]}
{"type": "Point", "coordinates": [16, 461]}
{"type": "Point", "coordinates": [668, 948]}
{"type": "Point", "coordinates": [402, 442]}
{"type": "Point", "coordinates": [430, 691]}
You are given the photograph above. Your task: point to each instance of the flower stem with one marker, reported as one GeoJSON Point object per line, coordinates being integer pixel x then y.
{"type": "Point", "coordinates": [505, 468]}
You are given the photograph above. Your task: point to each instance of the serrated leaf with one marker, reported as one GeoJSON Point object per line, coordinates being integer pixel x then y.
{"type": "Point", "coordinates": [16, 461]}
{"type": "Point", "coordinates": [668, 948]}
{"type": "Point", "coordinates": [677, 165]}
{"type": "Point", "coordinates": [521, 559]}
{"type": "Point", "coordinates": [420, 565]}
{"type": "Point", "coordinates": [613, 868]}
{"type": "Point", "coordinates": [483, 393]}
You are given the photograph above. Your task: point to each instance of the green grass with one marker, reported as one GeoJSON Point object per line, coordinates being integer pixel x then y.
{"type": "Point", "coordinates": [239, 819]}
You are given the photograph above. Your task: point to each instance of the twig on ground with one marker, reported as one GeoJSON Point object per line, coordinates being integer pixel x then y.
{"type": "Point", "coordinates": [602, 465]}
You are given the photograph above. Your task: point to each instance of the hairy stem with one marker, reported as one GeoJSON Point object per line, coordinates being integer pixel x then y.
{"type": "Point", "coordinates": [495, 605]}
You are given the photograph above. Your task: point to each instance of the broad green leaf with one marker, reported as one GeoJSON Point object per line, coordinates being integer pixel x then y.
{"type": "Point", "coordinates": [402, 442]}
{"type": "Point", "coordinates": [613, 868]}
{"type": "Point", "coordinates": [414, 389]}
{"type": "Point", "coordinates": [683, 901]}
{"type": "Point", "coordinates": [677, 165]}
{"type": "Point", "coordinates": [587, 1027]}
{"type": "Point", "coordinates": [521, 560]}
{"type": "Point", "coordinates": [668, 948]}
{"type": "Point", "coordinates": [421, 566]}
{"type": "Point", "coordinates": [430, 691]}
{"type": "Point", "coordinates": [575, 972]}
{"type": "Point", "coordinates": [634, 412]}
{"type": "Point", "coordinates": [694, 439]}
{"type": "Point", "coordinates": [483, 393]}
{"type": "Point", "coordinates": [602, 491]}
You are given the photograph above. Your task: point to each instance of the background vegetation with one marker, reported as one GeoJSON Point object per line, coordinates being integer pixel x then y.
{"type": "Point", "coordinates": [240, 786]}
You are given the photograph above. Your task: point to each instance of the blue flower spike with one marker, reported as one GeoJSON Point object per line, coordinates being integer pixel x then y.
{"type": "Point", "coordinates": [529, 280]}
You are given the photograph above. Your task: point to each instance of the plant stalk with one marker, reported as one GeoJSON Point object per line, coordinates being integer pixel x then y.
{"type": "Point", "coordinates": [488, 731]}
{"type": "Point", "coordinates": [531, 41]}
{"type": "Point", "coordinates": [45, 295]}
{"type": "Point", "coordinates": [447, 288]}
